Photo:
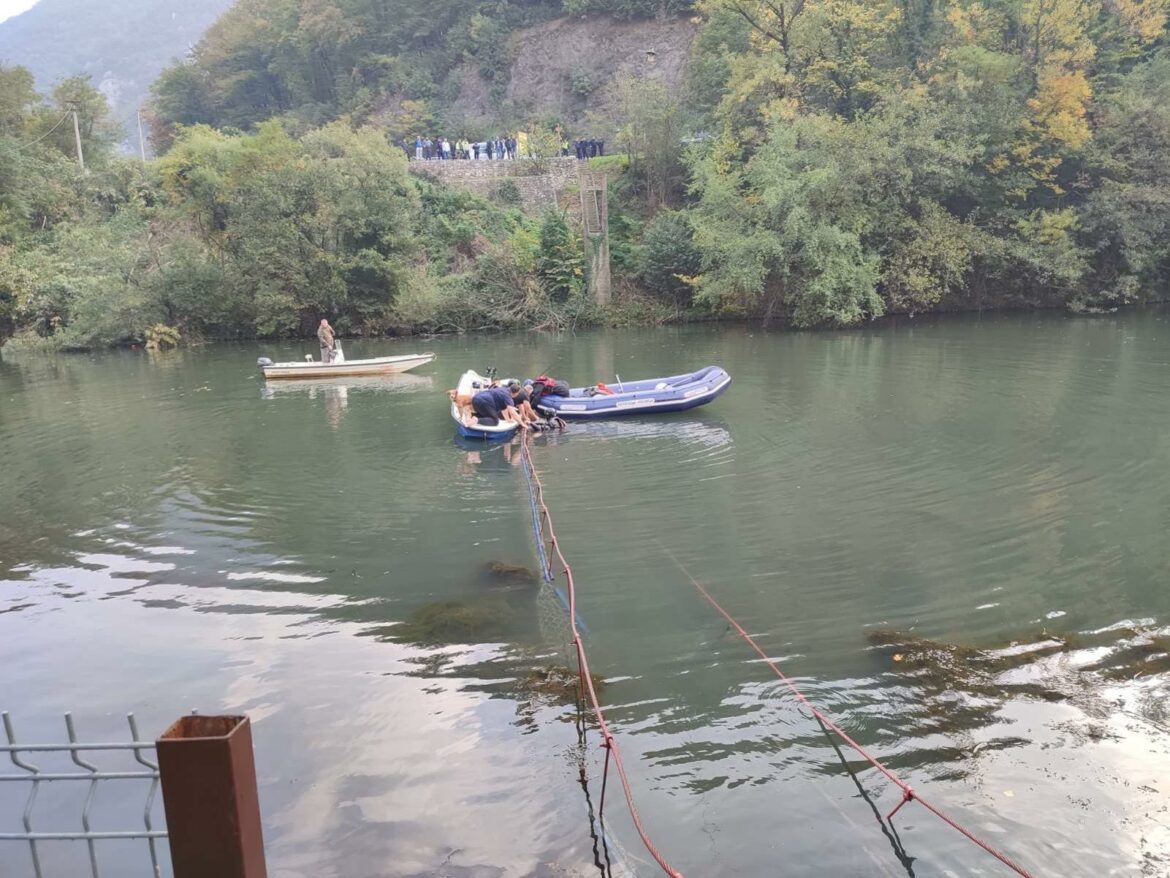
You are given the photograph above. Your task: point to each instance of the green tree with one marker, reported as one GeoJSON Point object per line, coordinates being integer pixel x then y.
{"type": "Point", "coordinates": [670, 259]}
{"type": "Point", "coordinates": [650, 133]}
{"type": "Point", "coordinates": [17, 98]}
{"type": "Point", "coordinates": [99, 133]}
{"type": "Point", "coordinates": [773, 240]}
{"type": "Point", "coordinates": [1125, 221]}
{"type": "Point", "coordinates": [559, 266]}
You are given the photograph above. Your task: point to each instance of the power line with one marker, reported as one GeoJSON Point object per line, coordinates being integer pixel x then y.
{"type": "Point", "coordinates": [46, 134]}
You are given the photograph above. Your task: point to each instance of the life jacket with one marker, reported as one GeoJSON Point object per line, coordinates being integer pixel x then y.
{"type": "Point", "coordinates": [552, 386]}
{"type": "Point", "coordinates": [544, 385]}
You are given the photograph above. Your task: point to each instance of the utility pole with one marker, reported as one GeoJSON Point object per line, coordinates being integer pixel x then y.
{"type": "Point", "coordinates": [77, 134]}
{"type": "Point", "coordinates": [141, 139]}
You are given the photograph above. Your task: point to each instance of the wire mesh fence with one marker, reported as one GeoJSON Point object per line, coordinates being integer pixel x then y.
{"type": "Point", "coordinates": [84, 813]}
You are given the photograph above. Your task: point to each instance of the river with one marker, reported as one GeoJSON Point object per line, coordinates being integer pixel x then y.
{"type": "Point", "coordinates": [952, 533]}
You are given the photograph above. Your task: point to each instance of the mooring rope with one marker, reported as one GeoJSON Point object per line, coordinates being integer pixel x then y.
{"type": "Point", "coordinates": [612, 750]}
{"type": "Point", "coordinates": [546, 571]}
{"type": "Point", "coordinates": [908, 792]}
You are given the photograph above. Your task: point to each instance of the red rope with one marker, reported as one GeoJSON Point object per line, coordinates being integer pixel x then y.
{"type": "Point", "coordinates": [610, 744]}
{"type": "Point", "coordinates": [908, 793]}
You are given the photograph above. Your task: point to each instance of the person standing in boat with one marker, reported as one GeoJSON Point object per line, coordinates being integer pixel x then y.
{"type": "Point", "coordinates": [327, 339]}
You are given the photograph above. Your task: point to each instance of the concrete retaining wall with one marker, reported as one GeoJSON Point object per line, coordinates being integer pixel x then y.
{"type": "Point", "coordinates": [542, 183]}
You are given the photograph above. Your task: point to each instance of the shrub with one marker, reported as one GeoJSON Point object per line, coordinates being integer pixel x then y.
{"type": "Point", "coordinates": [669, 255]}
{"type": "Point", "coordinates": [161, 336]}
{"type": "Point", "coordinates": [508, 193]}
{"type": "Point", "coordinates": [559, 265]}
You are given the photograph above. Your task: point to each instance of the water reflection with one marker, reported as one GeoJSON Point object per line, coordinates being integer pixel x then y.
{"type": "Point", "coordinates": [486, 457]}
{"type": "Point", "coordinates": [956, 688]}
{"type": "Point", "coordinates": [335, 392]}
{"type": "Point", "coordinates": [403, 382]}
{"type": "Point", "coordinates": [186, 546]}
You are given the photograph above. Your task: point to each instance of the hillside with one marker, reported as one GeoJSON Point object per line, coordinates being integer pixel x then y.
{"type": "Point", "coordinates": [122, 45]}
{"type": "Point", "coordinates": [442, 65]}
{"type": "Point", "coordinates": [856, 160]}
{"type": "Point", "coordinates": [568, 69]}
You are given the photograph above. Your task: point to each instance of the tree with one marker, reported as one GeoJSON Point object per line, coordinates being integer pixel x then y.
{"type": "Point", "coordinates": [650, 133]}
{"type": "Point", "coordinates": [773, 239]}
{"type": "Point", "coordinates": [559, 265]}
{"type": "Point", "coordinates": [17, 98]}
{"type": "Point", "coordinates": [99, 133]}
{"type": "Point", "coordinates": [671, 258]}
{"type": "Point", "coordinates": [1126, 218]}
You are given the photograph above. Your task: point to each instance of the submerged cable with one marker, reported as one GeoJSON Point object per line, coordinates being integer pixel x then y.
{"type": "Point", "coordinates": [608, 740]}
{"type": "Point", "coordinates": [908, 793]}
{"type": "Point", "coordinates": [538, 534]}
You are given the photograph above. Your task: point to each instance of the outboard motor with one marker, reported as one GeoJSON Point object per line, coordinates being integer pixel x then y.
{"type": "Point", "coordinates": [263, 361]}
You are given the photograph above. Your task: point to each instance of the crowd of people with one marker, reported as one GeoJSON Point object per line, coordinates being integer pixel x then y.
{"type": "Point", "coordinates": [444, 149]}
{"type": "Point", "coordinates": [511, 146]}
{"type": "Point", "coordinates": [587, 149]}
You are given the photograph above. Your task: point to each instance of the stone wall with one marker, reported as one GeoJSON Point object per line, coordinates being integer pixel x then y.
{"type": "Point", "coordinates": [542, 183]}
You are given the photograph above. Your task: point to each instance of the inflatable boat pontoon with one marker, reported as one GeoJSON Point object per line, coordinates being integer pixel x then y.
{"type": "Point", "coordinates": [677, 393]}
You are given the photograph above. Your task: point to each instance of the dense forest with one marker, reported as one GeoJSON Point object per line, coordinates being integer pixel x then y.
{"type": "Point", "coordinates": [857, 157]}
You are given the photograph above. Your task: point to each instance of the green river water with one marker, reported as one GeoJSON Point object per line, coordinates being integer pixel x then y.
{"type": "Point", "coordinates": [176, 536]}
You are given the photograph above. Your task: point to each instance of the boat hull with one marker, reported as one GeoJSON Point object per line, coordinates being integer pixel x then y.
{"type": "Point", "coordinates": [469, 384]}
{"type": "Point", "coordinates": [376, 366]}
{"type": "Point", "coordinates": [677, 393]}
{"type": "Point", "coordinates": [504, 430]}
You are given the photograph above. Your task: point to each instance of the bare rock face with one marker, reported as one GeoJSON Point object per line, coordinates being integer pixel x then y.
{"type": "Point", "coordinates": [568, 68]}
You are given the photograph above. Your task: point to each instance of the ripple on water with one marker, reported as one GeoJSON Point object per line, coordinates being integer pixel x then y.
{"type": "Point", "coordinates": [960, 482]}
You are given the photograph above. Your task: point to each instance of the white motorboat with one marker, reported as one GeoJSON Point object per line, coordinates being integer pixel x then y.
{"type": "Point", "coordinates": [469, 384]}
{"type": "Point", "coordinates": [311, 368]}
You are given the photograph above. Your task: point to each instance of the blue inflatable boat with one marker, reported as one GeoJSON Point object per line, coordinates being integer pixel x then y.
{"type": "Point", "coordinates": [677, 393]}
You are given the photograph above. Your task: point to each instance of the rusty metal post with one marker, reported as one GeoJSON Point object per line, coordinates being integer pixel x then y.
{"type": "Point", "coordinates": [209, 793]}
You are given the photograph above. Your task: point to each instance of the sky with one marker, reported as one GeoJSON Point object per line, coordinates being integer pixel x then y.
{"type": "Point", "coordinates": [9, 8]}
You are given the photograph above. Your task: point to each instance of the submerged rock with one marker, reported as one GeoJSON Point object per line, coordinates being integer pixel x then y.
{"type": "Point", "coordinates": [504, 610]}
{"type": "Point", "coordinates": [961, 686]}
{"type": "Point", "coordinates": [910, 653]}
{"type": "Point", "coordinates": [1142, 653]}
{"type": "Point", "coordinates": [501, 574]}
{"type": "Point", "coordinates": [556, 683]}
{"type": "Point", "coordinates": [456, 621]}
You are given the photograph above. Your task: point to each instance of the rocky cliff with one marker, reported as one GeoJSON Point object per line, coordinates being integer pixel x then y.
{"type": "Point", "coordinates": [568, 67]}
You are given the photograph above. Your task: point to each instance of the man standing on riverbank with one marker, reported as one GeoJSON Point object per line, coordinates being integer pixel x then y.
{"type": "Point", "coordinates": [326, 337]}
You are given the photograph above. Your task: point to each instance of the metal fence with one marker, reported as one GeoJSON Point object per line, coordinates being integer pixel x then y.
{"type": "Point", "coordinates": [24, 758]}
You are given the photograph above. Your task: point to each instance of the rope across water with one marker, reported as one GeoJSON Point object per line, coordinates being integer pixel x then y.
{"type": "Point", "coordinates": [908, 793]}
{"type": "Point", "coordinates": [612, 749]}
{"type": "Point", "coordinates": [542, 522]}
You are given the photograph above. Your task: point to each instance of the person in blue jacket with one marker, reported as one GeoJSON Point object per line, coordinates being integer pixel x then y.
{"type": "Point", "coordinates": [496, 404]}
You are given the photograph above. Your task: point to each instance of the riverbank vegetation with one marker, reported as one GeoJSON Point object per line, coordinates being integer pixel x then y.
{"type": "Point", "coordinates": [858, 158]}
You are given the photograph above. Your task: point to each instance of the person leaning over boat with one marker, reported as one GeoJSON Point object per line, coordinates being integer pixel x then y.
{"type": "Point", "coordinates": [521, 400]}
{"type": "Point", "coordinates": [326, 337]}
{"type": "Point", "coordinates": [493, 405]}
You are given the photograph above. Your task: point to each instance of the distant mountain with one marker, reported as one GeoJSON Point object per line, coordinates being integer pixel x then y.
{"type": "Point", "coordinates": [121, 44]}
